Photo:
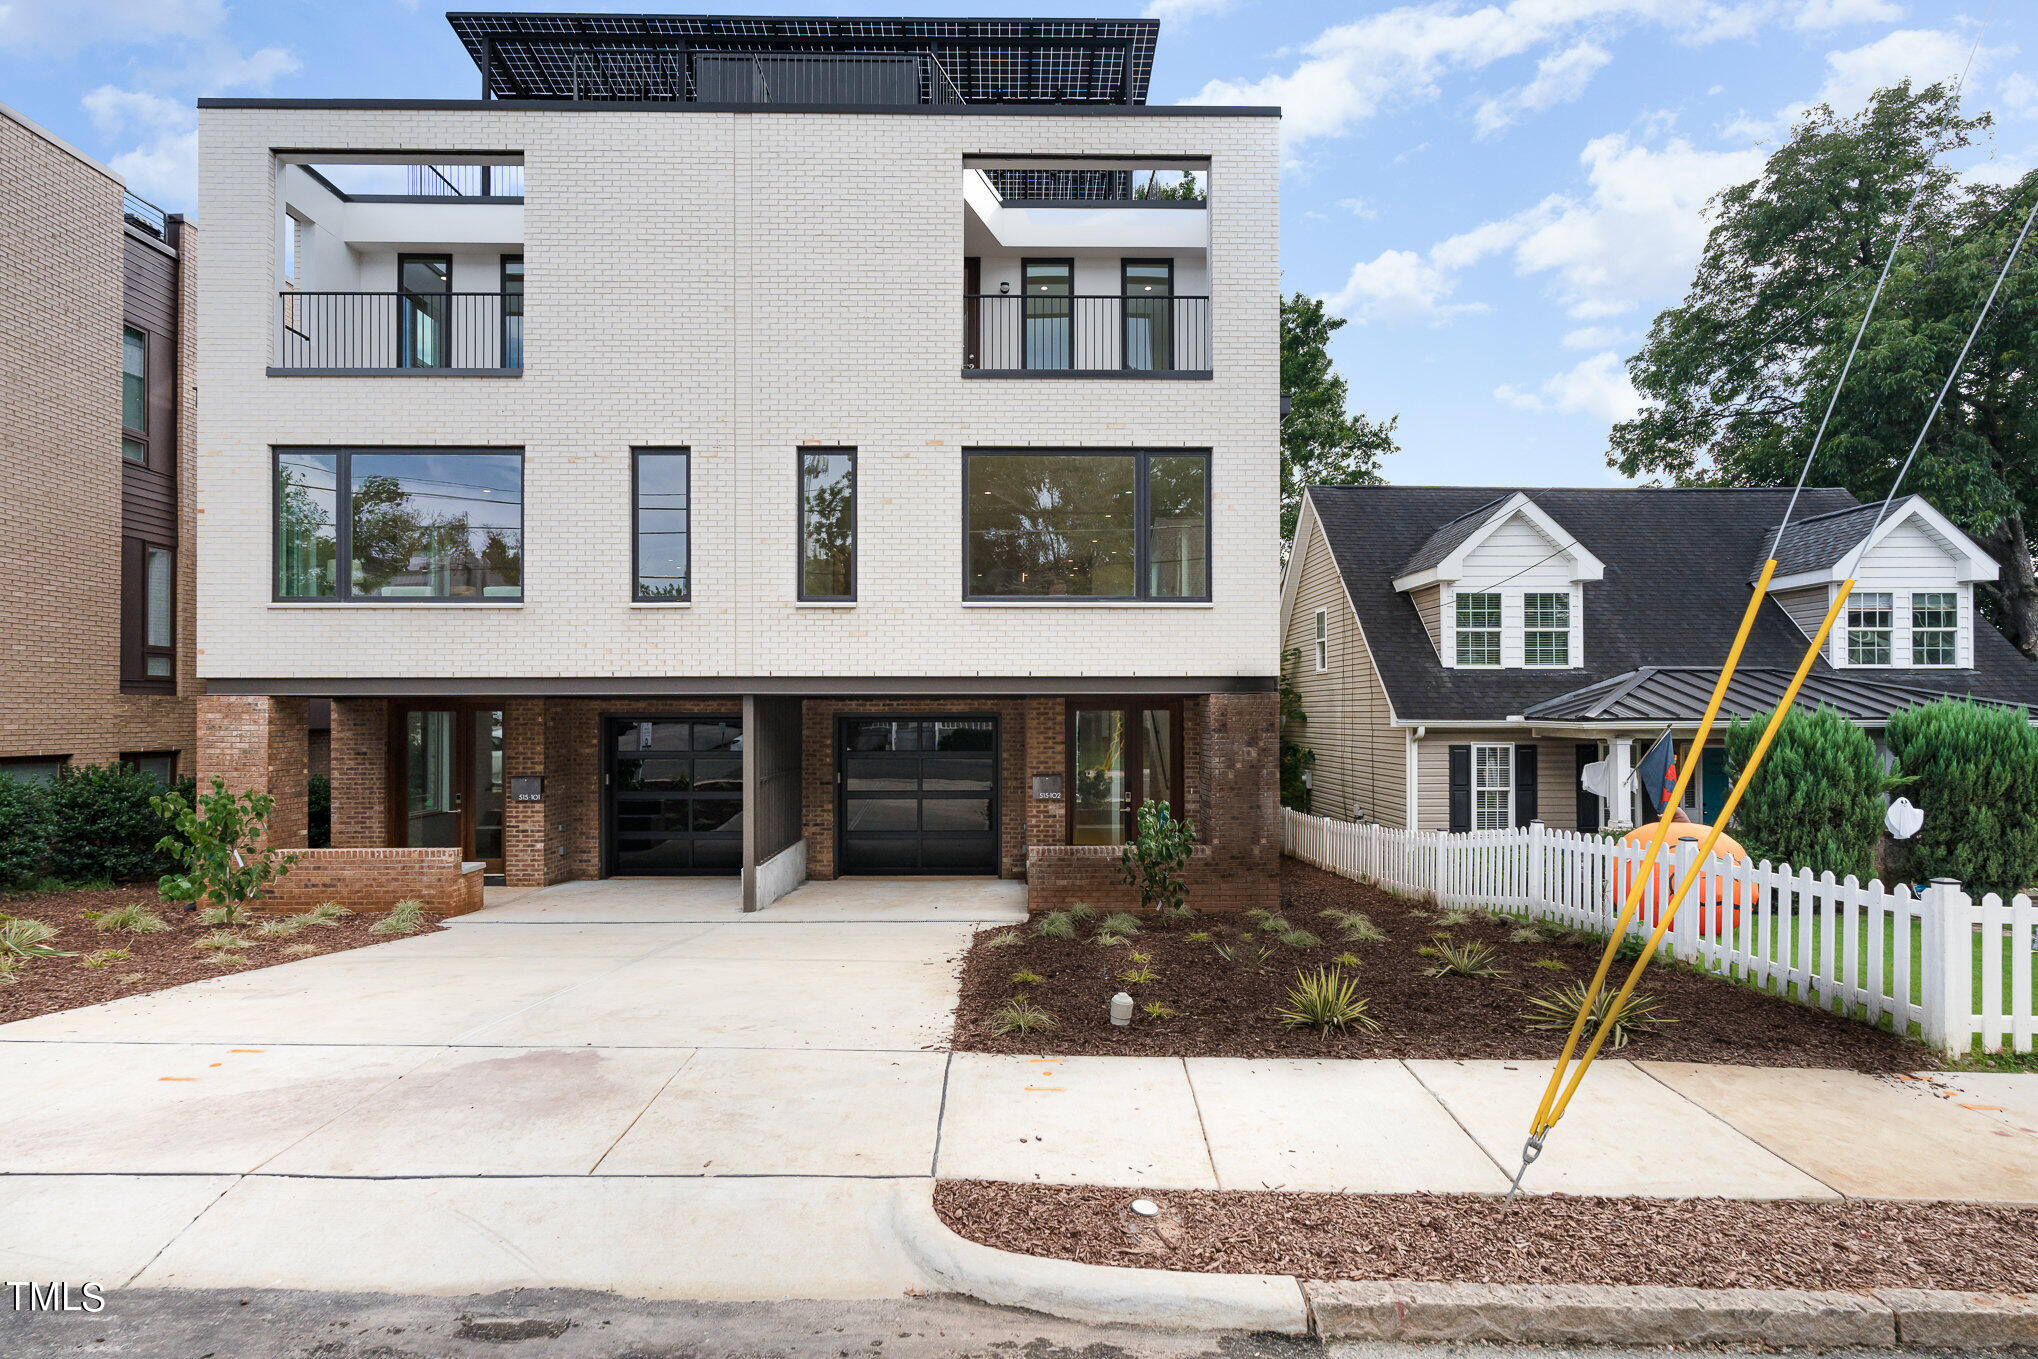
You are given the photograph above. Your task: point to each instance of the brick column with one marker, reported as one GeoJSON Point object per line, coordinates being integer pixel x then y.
{"type": "Point", "coordinates": [525, 861]}
{"type": "Point", "coordinates": [257, 743]}
{"type": "Point", "coordinates": [360, 773]}
{"type": "Point", "coordinates": [1242, 795]}
{"type": "Point", "coordinates": [1046, 752]}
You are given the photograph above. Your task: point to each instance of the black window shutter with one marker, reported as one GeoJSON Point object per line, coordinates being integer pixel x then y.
{"type": "Point", "coordinates": [1524, 784]}
{"type": "Point", "coordinates": [1588, 803]}
{"type": "Point", "coordinates": [1461, 788]}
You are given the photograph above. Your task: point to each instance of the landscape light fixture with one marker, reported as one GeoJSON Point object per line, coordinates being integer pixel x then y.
{"type": "Point", "coordinates": [1121, 1009]}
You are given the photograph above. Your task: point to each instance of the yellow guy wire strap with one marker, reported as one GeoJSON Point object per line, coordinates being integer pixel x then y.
{"type": "Point", "coordinates": [1643, 874]}
{"type": "Point", "coordinates": [1705, 846]}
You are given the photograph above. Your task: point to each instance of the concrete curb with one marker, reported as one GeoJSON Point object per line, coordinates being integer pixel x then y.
{"type": "Point", "coordinates": [1093, 1293]}
{"type": "Point", "coordinates": [1523, 1314]}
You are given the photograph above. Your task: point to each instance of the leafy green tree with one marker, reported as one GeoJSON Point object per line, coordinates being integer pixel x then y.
{"type": "Point", "coordinates": [1816, 802]}
{"type": "Point", "coordinates": [1296, 758]}
{"type": "Point", "coordinates": [1153, 861]}
{"type": "Point", "coordinates": [1322, 444]}
{"type": "Point", "coordinates": [1740, 373]}
{"type": "Point", "coordinates": [222, 846]}
{"type": "Point", "coordinates": [1973, 770]}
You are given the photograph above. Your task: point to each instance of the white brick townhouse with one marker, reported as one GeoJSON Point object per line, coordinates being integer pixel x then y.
{"type": "Point", "coordinates": [784, 448]}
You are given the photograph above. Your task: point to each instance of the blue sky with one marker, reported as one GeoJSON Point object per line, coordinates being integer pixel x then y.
{"type": "Point", "coordinates": [1500, 196]}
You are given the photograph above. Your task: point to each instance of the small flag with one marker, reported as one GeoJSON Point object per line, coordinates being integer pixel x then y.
{"type": "Point", "coordinates": [1657, 773]}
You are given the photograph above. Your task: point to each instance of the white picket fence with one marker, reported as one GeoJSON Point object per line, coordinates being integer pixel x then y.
{"type": "Point", "coordinates": [1955, 969]}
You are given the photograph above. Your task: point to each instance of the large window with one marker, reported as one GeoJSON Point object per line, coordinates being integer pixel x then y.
{"type": "Point", "coordinates": [828, 523]}
{"type": "Point", "coordinates": [411, 524]}
{"type": "Point", "coordinates": [1118, 758]}
{"type": "Point", "coordinates": [1479, 628]}
{"type": "Point", "coordinates": [1492, 787]}
{"type": "Point", "coordinates": [1870, 618]}
{"type": "Point", "coordinates": [1935, 626]}
{"type": "Point", "coordinates": [1095, 526]}
{"type": "Point", "coordinates": [134, 395]}
{"type": "Point", "coordinates": [1546, 629]}
{"type": "Point", "coordinates": [664, 530]}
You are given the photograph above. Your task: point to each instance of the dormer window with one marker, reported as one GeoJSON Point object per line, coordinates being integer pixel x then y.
{"type": "Point", "coordinates": [1871, 620]}
{"type": "Point", "coordinates": [1935, 628]}
{"type": "Point", "coordinates": [1479, 629]}
{"type": "Point", "coordinates": [1546, 629]}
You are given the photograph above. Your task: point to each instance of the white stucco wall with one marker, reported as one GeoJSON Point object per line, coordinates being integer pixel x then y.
{"type": "Point", "coordinates": [739, 284]}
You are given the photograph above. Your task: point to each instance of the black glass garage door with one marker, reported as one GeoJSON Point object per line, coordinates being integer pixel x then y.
{"type": "Point", "coordinates": [675, 796]}
{"type": "Point", "coordinates": [919, 795]}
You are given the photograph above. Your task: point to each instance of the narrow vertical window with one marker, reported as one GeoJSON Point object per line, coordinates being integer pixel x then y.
{"type": "Point", "coordinates": [664, 529]}
{"type": "Point", "coordinates": [1322, 639]}
{"type": "Point", "coordinates": [1546, 629]}
{"type": "Point", "coordinates": [134, 395]}
{"type": "Point", "coordinates": [1479, 628]}
{"type": "Point", "coordinates": [1935, 626]}
{"type": "Point", "coordinates": [307, 525]}
{"type": "Point", "coordinates": [1870, 619]}
{"type": "Point", "coordinates": [513, 311]}
{"type": "Point", "coordinates": [1492, 787]}
{"type": "Point", "coordinates": [1177, 526]}
{"type": "Point", "coordinates": [828, 524]}
{"type": "Point", "coordinates": [159, 636]}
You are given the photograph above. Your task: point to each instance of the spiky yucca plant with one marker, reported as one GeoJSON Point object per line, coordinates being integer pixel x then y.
{"type": "Point", "coordinates": [1557, 1008]}
{"type": "Point", "coordinates": [1325, 1000]}
{"type": "Point", "coordinates": [1465, 960]}
{"type": "Point", "coordinates": [25, 938]}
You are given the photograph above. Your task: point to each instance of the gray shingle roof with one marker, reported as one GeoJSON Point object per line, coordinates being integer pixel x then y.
{"type": "Point", "coordinates": [1445, 540]}
{"type": "Point", "coordinates": [1680, 693]}
{"type": "Point", "coordinates": [1817, 542]}
{"type": "Point", "coordinates": [1675, 588]}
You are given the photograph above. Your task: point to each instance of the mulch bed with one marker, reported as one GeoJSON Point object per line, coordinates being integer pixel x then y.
{"type": "Point", "coordinates": [1227, 1009]}
{"type": "Point", "coordinates": [156, 961]}
{"type": "Point", "coordinates": [1452, 1238]}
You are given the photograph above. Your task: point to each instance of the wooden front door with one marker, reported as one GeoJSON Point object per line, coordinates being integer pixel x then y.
{"type": "Point", "coordinates": [446, 789]}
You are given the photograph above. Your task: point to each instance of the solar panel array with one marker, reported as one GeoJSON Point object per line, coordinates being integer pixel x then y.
{"type": "Point", "coordinates": [653, 57]}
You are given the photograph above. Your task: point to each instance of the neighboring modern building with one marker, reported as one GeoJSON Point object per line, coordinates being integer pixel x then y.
{"type": "Point", "coordinates": [97, 663]}
{"type": "Point", "coordinates": [740, 446]}
{"type": "Point", "coordinates": [1463, 653]}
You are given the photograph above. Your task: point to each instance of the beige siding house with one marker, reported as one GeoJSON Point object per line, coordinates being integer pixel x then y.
{"type": "Point", "coordinates": [1464, 654]}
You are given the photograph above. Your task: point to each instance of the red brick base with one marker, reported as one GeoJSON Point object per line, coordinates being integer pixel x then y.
{"type": "Point", "coordinates": [376, 879]}
{"type": "Point", "coordinates": [1061, 875]}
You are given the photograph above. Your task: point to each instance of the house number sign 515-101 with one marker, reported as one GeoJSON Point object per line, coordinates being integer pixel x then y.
{"type": "Point", "coordinates": [527, 788]}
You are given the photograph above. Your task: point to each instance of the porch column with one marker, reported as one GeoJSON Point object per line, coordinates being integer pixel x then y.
{"type": "Point", "coordinates": [1621, 754]}
{"type": "Point", "coordinates": [360, 773]}
{"type": "Point", "coordinates": [1242, 779]}
{"type": "Point", "coordinates": [258, 743]}
{"type": "Point", "coordinates": [525, 860]}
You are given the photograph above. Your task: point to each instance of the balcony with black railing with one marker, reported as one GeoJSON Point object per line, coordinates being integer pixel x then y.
{"type": "Point", "coordinates": [1013, 335]}
{"type": "Point", "coordinates": [400, 333]}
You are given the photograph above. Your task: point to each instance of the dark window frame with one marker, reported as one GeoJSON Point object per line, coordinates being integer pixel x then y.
{"type": "Point", "coordinates": [1131, 710]}
{"type": "Point", "coordinates": [842, 794]}
{"type": "Point", "coordinates": [502, 276]}
{"type": "Point", "coordinates": [855, 527]}
{"type": "Point", "coordinates": [129, 433]}
{"type": "Point", "coordinates": [637, 454]}
{"type": "Point", "coordinates": [1125, 265]}
{"type": "Point", "coordinates": [343, 525]}
{"type": "Point", "coordinates": [131, 759]}
{"type": "Point", "coordinates": [404, 358]}
{"type": "Point", "coordinates": [1026, 301]}
{"type": "Point", "coordinates": [134, 618]}
{"type": "Point", "coordinates": [605, 723]}
{"type": "Point", "coordinates": [1142, 530]}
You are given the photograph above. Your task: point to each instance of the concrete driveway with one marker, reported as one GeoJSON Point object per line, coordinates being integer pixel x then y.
{"type": "Point", "coordinates": [626, 1085]}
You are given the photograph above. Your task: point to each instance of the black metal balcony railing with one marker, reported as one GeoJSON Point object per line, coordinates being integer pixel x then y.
{"type": "Point", "coordinates": [139, 212]}
{"type": "Point", "coordinates": [1086, 334]}
{"type": "Point", "coordinates": [384, 332]}
{"type": "Point", "coordinates": [464, 181]}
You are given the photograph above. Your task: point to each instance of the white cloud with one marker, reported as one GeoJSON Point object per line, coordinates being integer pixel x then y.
{"type": "Point", "coordinates": [49, 28]}
{"type": "Point", "coordinates": [163, 162]}
{"type": "Point", "coordinates": [1560, 79]}
{"type": "Point", "coordinates": [1592, 337]}
{"type": "Point", "coordinates": [1399, 285]}
{"type": "Point", "coordinates": [2019, 94]}
{"type": "Point", "coordinates": [1818, 15]}
{"type": "Point", "coordinates": [1922, 56]}
{"type": "Point", "coordinates": [1358, 207]}
{"type": "Point", "coordinates": [1179, 10]}
{"type": "Point", "coordinates": [1598, 387]}
{"type": "Point", "coordinates": [1348, 72]}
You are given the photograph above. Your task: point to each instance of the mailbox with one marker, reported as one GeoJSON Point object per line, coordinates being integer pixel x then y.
{"type": "Point", "coordinates": [527, 788]}
{"type": "Point", "coordinates": [1047, 788]}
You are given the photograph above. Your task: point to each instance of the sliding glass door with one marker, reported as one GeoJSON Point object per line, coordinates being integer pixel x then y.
{"type": "Point", "coordinates": [1120, 756]}
{"type": "Point", "coordinates": [424, 304]}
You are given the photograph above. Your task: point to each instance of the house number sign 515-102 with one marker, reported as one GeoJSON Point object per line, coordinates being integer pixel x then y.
{"type": "Point", "coordinates": [1047, 788]}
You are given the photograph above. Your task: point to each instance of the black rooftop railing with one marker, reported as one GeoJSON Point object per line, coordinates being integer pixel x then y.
{"type": "Point", "coordinates": [138, 212]}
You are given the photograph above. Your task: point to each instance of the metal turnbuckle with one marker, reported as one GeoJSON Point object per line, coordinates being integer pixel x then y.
{"type": "Point", "coordinates": [1529, 1151]}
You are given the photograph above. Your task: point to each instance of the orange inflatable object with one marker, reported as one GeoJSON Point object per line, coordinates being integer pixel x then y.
{"type": "Point", "coordinates": [1712, 890]}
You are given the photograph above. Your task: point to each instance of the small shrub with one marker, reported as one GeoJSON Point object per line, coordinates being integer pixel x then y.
{"type": "Point", "coordinates": [1199, 936]}
{"type": "Point", "coordinates": [1081, 910]}
{"type": "Point", "coordinates": [24, 831]}
{"type": "Point", "coordinates": [1055, 925]}
{"type": "Point", "coordinates": [1004, 939]}
{"type": "Point", "coordinates": [1300, 939]}
{"type": "Point", "coordinates": [1346, 960]}
{"type": "Point", "coordinates": [1179, 912]}
{"type": "Point", "coordinates": [1465, 960]}
{"type": "Point", "coordinates": [280, 927]}
{"type": "Point", "coordinates": [103, 825]}
{"type": "Point", "coordinates": [1326, 999]}
{"type": "Point", "coordinates": [1153, 1009]}
{"type": "Point", "coordinates": [1631, 947]}
{"type": "Point", "coordinates": [25, 938]}
{"type": "Point", "coordinates": [1527, 934]}
{"type": "Point", "coordinates": [1275, 924]}
{"type": "Point", "coordinates": [301, 950]}
{"type": "Point", "coordinates": [1558, 1009]}
{"type": "Point", "coordinates": [326, 913]}
{"type": "Point", "coordinates": [1108, 940]}
{"type": "Point", "coordinates": [1549, 965]}
{"type": "Point", "coordinates": [220, 843]}
{"type": "Point", "coordinates": [134, 919]}
{"type": "Point", "coordinates": [1020, 1015]}
{"type": "Point", "coordinates": [1153, 861]}
{"type": "Point", "coordinates": [1816, 802]}
{"type": "Point", "coordinates": [217, 941]}
{"type": "Point", "coordinates": [405, 917]}
{"type": "Point", "coordinates": [1025, 978]}
{"type": "Point", "coordinates": [104, 956]}
{"type": "Point", "coordinates": [1356, 927]}
{"type": "Point", "coordinates": [219, 915]}
{"type": "Point", "coordinates": [1425, 951]}
{"type": "Point", "coordinates": [1119, 922]}
{"type": "Point", "coordinates": [1454, 917]}
{"type": "Point", "coordinates": [1141, 972]}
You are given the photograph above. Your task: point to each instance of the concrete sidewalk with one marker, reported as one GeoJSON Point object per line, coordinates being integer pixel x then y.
{"type": "Point", "coordinates": [563, 1090]}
